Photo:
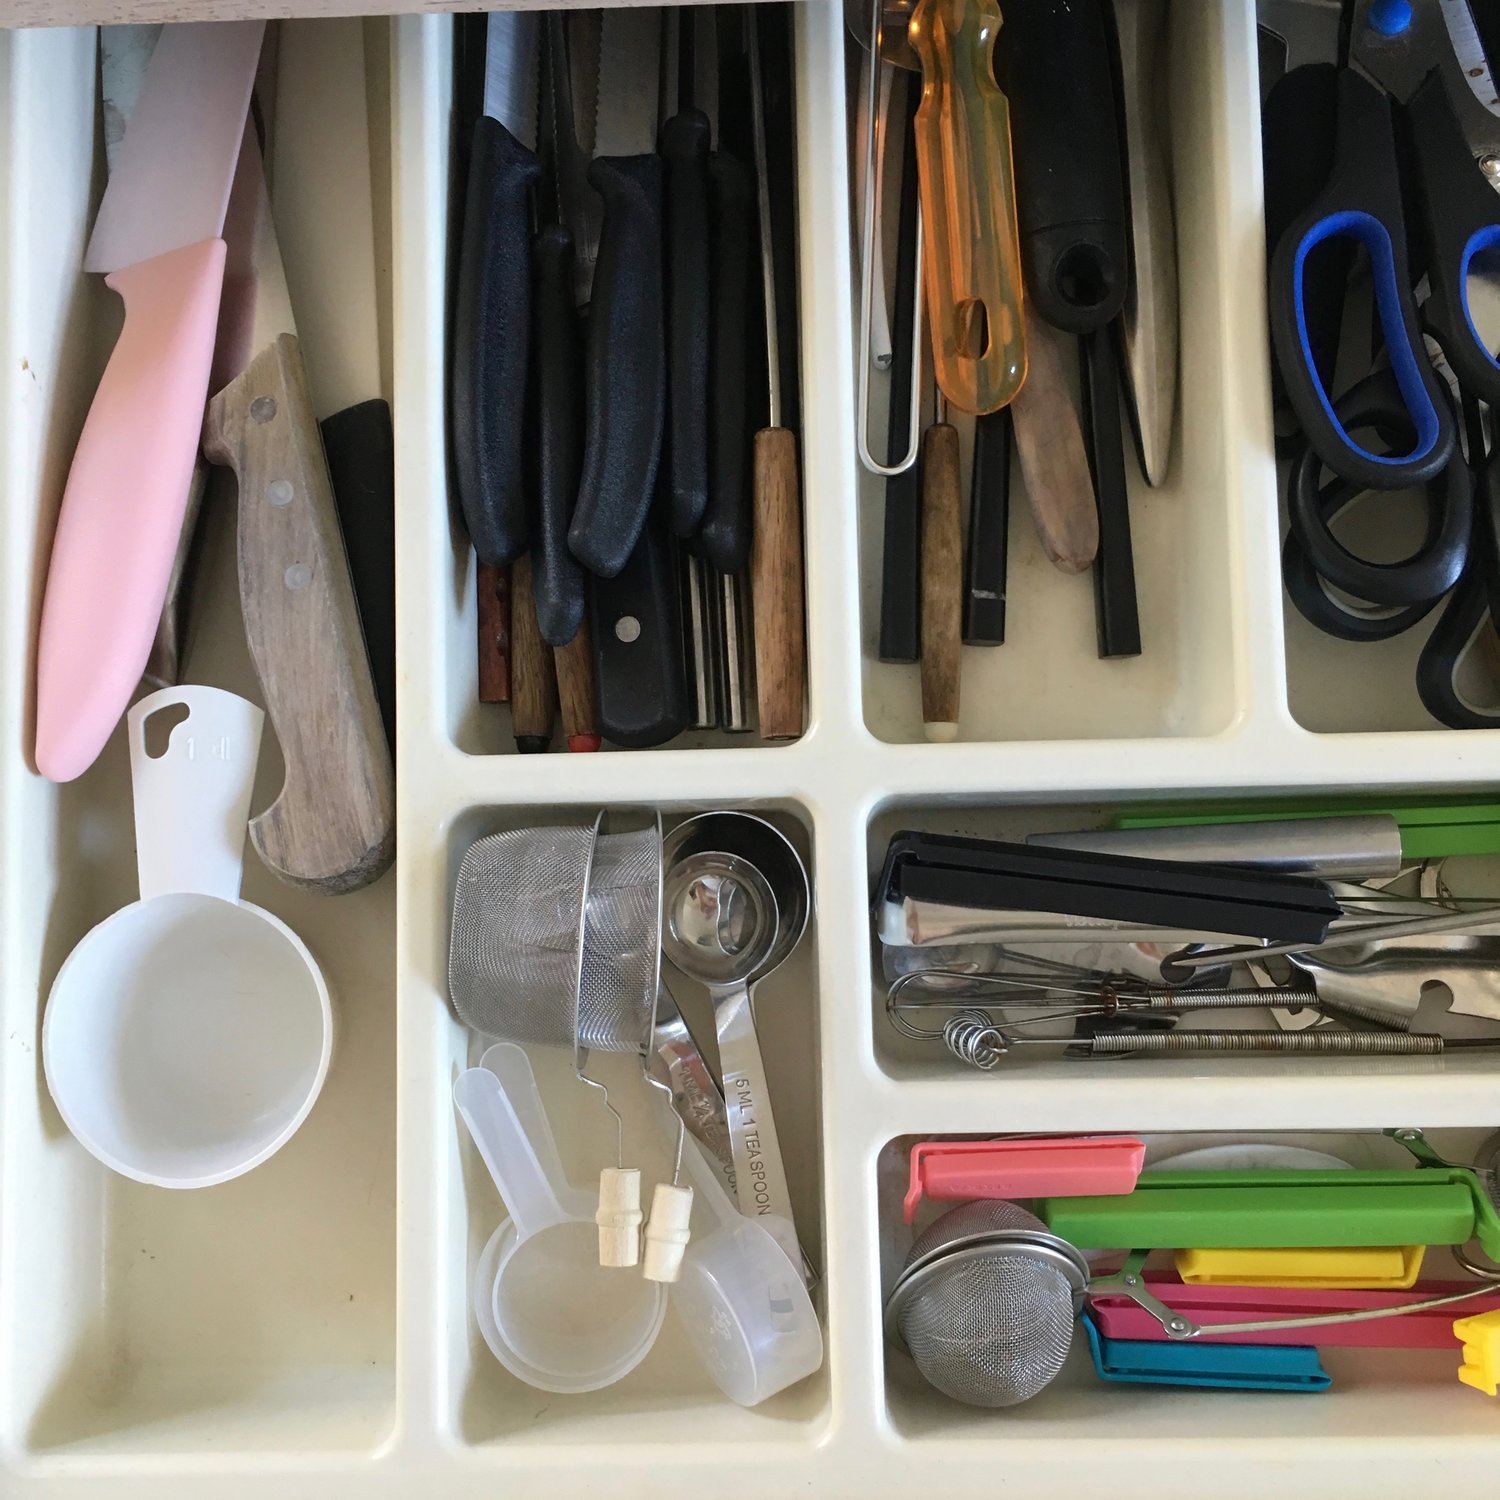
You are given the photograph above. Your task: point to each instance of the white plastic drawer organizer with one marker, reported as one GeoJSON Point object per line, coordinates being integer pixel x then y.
{"type": "Point", "coordinates": [308, 1328]}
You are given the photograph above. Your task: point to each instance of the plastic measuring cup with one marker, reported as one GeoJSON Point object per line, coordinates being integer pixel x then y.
{"type": "Point", "coordinates": [549, 1312]}
{"type": "Point", "coordinates": [741, 1301]}
{"type": "Point", "coordinates": [188, 1035]}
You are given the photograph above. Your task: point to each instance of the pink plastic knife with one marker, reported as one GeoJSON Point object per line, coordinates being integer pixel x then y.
{"type": "Point", "coordinates": [158, 238]}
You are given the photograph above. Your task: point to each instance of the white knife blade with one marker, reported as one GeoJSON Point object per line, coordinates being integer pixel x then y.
{"type": "Point", "coordinates": [512, 38]}
{"type": "Point", "coordinates": [124, 55]}
{"type": "Point", "coordinates": [170, 182]}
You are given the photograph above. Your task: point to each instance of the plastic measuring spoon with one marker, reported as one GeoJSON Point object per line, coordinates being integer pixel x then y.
{"type": "Point", "coordinates": [548, 1311]}
{"type": "Point", "coordinates": [188, 1035]}
{"type": "Point", "coordinates": [741, 1302]}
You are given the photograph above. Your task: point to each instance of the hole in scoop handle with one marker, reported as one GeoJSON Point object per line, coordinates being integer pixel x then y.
{"type": "Point", "coordinates": [532, 1197]}
{"type": "Point", "coordinates": [192, 802]}
{"type": "Point", "coordinates": [760, 1177]}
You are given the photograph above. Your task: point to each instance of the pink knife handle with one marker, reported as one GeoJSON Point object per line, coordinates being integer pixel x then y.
{"type": "Point", "coordinates": [123, 507]}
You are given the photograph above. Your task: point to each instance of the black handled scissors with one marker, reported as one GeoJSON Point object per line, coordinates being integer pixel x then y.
{"type": "Point", "coordinates": [1399, 65]}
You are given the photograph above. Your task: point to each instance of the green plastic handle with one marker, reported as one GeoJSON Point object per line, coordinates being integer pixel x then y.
{"type": "Point", "coordinates": [1428, 831]}
{"type": "Point", "coordinates": [1278, 1210]}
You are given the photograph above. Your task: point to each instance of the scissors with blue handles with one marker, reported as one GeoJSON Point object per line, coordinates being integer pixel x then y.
{"type": "Point", "coordinates": [1414, 180]}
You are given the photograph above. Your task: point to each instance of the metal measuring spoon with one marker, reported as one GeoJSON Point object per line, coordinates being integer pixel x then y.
{"type": "Point", "coordinates": [737, 902]}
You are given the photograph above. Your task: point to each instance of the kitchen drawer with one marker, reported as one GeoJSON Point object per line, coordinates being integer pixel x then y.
{"type": "Point", "coordinates": [306, 1329]}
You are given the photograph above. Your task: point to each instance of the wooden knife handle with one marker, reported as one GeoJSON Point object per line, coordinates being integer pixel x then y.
{"type": "Point", "coordinates": [533, 674]}
{"type": "Point", "coordinates": [492, 609]}
{"type": "Point", "coordinates": [575, 690]}
{"type": "Point", "coordinates": [776, 586]}
{"type": "Point", "coordinates": [942, 581]}
{"type": "Point", "coordinates": [1048, 430]}
{"type": "Point", "coordinates": [332, 827]}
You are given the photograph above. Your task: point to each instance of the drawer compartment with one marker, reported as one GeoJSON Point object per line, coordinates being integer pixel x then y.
{"type": "Point", "coordinates": [260, 1314]}
{"type": "Point", "coordinates": [1407, 1389]}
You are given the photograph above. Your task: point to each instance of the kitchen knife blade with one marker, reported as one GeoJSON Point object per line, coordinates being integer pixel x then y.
{"type": "Point", "coordinates": [492, 316]}
{"type": "Point", "coordinates": [331, 827]}
{"type": "Point", "coordinates": [625, 362]}
{"type": "Point", "coordinates": [157, 236]}
{"type": "Point", "coordinates": [1149, 322]}
{"type": "Point", "coordinates": [685, 140]}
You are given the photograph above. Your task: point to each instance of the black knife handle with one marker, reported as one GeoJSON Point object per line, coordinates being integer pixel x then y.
{"type": "Point", "coordinates": [684, 149]}
{"type": "Point", "coordinates": [724, 538]}
{"type": "Point", "coordinates": [986, 559]}
{"type": "Point", "coordinates": [492, 313]}
{"type": "Point", "coordinates": [556, 578]}
{"type": "Point", "coordinates": [1054, 64]}
{"type": "Point", "coordinates": [901, 544]}
{"type": "Point", "coordinates": [360, 447]}
{"type": "Point", "coordinates": [625, 372]}
{"type": "Point", "coordinates": [638, 648]}
{"type": "Point", "coordinates": [1115, 612]}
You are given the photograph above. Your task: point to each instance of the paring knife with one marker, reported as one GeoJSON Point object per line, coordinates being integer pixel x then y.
{"type": "Point", "coordinates": [723, 83]}
{"type": "Point", "coordinates": [157, 237]}
{"type": "Point", "coordinates": [625, 361]}
{"type": "Point", "coordinates": [1149, 322]}
{"type": "Point", "coordinates": [332, 826]}
{"type": "Point", "coordinates": [492, 313]}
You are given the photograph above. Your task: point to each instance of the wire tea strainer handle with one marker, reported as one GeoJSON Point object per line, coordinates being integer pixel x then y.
{"type": "Point", "coordinates": [1130, 1282]}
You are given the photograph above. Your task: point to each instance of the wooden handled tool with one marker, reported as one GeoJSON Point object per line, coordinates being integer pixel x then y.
{"type": "Point", "coordinates": [332, 826]}
{"type": "Point", "coordinates": [776, 548]}
{"type": "Point", "coordinates": [533, 673]}
{"type": "Point", "coordinates": [942, 578]}
{"type": "Point", "coordinates": [575, 686]}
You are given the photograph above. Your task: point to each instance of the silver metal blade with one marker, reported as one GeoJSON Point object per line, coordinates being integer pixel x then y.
{"type": "Point", "coordinates": [629, 82]}
{"type": "Point", "coordinates": [256, 306]}
{"type": "Point", "coordinates": [510, 71]}
{"type": "Point", "coordinates": [170, 183]}
{"type": "Point", "coordinates": [124, 53]}
{"type": "Point", "coordinates": [1469, 51]}
{"type": "Point", "coordinates": [566, 159]}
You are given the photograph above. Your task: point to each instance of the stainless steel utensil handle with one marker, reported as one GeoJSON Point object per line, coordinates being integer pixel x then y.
{"type": "Point", "coordinates": [1315, 1043]}
{"type": "Point", "coordinates": [695, 1095]}
{"type": "Point", "coordinates": [760, 1177]}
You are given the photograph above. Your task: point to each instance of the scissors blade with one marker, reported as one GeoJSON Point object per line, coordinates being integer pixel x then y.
{"type": "Point", "coordinates": [1468, 49]}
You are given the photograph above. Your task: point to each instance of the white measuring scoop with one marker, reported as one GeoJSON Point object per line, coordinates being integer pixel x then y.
{"type": "Point", "coordinates": [549, 1312]}
{"type": "Point", "coordinates": [188, 1035]}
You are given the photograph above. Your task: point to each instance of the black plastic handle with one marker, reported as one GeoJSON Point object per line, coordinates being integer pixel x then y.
{"type": "Point", "coordinates": [1053, 61]}
{"type": "Point", "coordinates": [986, 556]}
{"type": "Point", "coordinates": [491, 327]}
{"type": "Point", "coordinates": [360, 447]}
{"type": "Point", "coordinates": [684, 149]}
{"type": "Point", "coordinates": [637, 638]}
{"type": "Point", "coordinates": [725, 535]}
{"type": "Point", "coordinates": [901, 543]}
{"type": "Point", "coordinates": [556, 578]}
{"type": "Point", "coordinates": [1115, 612]}
{"type": "Point", "coordinates": [625, 366]}
{"type": "Point", "coordinates": [1361, 202]}
{"type": "Point", "coordinates": [1462, 220]}
{"type": "Point", "coordinates": [1435, 566]}
{"type": "Point", "coordinates": [1471, 609]}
